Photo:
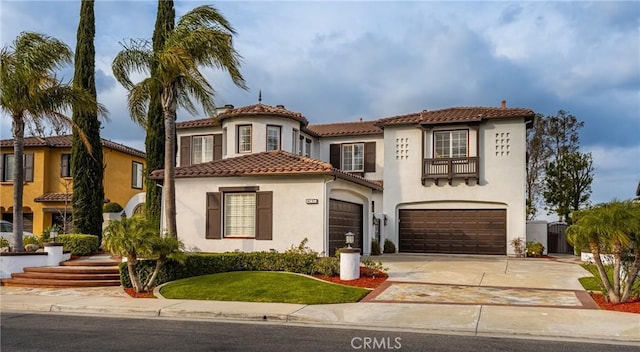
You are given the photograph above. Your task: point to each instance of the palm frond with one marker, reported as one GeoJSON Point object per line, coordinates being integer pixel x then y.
{"type": "Point", "coordinates": [137, 56]}
{"type": "Point", "coordinates": [138, 99]}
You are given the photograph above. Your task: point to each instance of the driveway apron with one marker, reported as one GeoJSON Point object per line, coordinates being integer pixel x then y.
{"type": "Point", "coordinates": [483, 280]}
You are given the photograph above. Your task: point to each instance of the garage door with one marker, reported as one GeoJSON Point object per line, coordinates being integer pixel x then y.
{"type": "Point", "coordinates": [481, 231]}
{"type": "Point", "coordinates": [344, 217]}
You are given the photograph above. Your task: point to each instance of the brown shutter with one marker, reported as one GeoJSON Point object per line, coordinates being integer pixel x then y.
{"type": "Point", "coordinates": [185, 151]}
{"type": "Point", "coordinates": [214, 216]}
{"type": "Point", "coordinates": [2, 158]}
{"type": "Point", "coordinates": [264, 215]}
{"type": "Point", "coordinates": [217, 146]}
{"type": "Point", "coordinates": [334, 155]}
{"type": "Point", "coordinates": [370, 157]}
{"type": "Point", "coordinates": [28, 167]}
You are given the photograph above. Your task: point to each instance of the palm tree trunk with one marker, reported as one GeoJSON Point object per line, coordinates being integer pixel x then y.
{"type": "Point", "coordinates": [613, 296]}
{"type": "Point", "coordinates": [153, 276]}
{"type": "Point", "coordinates": [631, 276]}
{"type": "Point", "coordinates": [18, 182]}
{"type": "Point", "coordinates": [616, 267]}
{"type": "Point", "coordinates": [133, 274]}
{"type": "Point", "coordinates": [169, 106]}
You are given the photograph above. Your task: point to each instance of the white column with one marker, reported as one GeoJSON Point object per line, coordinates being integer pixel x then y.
{"type": "Point", "coordinates": [349, 263]}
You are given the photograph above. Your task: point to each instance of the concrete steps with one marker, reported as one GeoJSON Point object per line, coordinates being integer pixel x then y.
{"type": "Point", "coordinates": [83, 272]}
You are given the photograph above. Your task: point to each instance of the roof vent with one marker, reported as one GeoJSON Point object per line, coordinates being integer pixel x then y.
{"type": "Point", "coordinates": [504, 104]}
{"type": "Point", "coordinates": [280, 106]}
{"type": "Point", "coordinates": [361, 119]}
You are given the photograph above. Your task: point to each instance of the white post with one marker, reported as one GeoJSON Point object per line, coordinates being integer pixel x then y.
{"type": "Point", "coordinates": [349, 263]}
{"type": "Point", "coordinates": [54, 253]}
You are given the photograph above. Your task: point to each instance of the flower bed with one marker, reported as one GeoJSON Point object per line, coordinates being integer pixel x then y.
{"type": "Point", "coordinates": [631, 306]}
{"type": "Point", "coordinates": [368, 278]}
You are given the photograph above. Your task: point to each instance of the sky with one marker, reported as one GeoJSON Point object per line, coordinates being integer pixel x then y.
{"type": "Point", "coordinates": [342, 61]}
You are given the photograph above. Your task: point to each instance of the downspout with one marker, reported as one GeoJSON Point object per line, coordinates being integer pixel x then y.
{"type": "Point", "coordinates": [325, 218]}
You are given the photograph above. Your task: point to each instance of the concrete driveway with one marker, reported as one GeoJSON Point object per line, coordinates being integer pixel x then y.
{"type": "Point", "coordinates": [492, 280]}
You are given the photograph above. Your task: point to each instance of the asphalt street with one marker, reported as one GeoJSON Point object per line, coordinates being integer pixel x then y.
{"type": "Point", "coordinates": [57, 332]}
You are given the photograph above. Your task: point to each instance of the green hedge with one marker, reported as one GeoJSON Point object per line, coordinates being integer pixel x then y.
{"type": "Point", "coordinates": [213, 263]}
{"type": "Point", "coordinates": [79, 244]}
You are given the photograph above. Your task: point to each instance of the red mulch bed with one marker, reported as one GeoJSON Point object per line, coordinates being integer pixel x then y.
{"type": "Point", "coordinates": [368, 278]}
{"type": "Point", "coordinates": [631, 306]}
{"type": "Point", "coordinates": [131, 292]}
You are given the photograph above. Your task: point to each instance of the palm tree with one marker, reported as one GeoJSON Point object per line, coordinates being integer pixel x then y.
{"type": "Point", "coordinates": [610, 228]}
{"type": "Point", "coordinates": [31, 93]}
{"type": "Point", "coordinates": [202, 37]}
{"type": "Point", "coordinates": [137, 238]}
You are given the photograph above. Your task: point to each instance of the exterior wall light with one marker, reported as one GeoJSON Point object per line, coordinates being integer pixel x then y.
{"type": "Point", "coordinates": [53, 234]}
{"type": "Point", "coordinates": [349, 237]}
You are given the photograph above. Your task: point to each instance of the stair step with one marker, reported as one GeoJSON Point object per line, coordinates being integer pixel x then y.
{"type": "Point", "coordinates": [58, 283]}
{"type": "Point", "coordinates": [90, 263]}
{"type": "Point", "coordinates": [74, 270]}
{"type": "Point", "coordinates": [66, 276]}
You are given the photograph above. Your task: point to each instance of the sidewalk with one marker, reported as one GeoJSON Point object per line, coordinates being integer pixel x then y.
{"type": "Point", "coordinates": [584, 325]}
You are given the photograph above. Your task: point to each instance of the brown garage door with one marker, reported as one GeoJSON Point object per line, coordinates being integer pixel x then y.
{"type": "Point", "coordinates": [481, 231]}
{"type": "Point", "coordinates": [344, 217]}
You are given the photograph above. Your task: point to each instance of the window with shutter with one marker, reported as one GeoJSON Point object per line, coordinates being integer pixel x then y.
{"type": "Point", "coordinates": [185, 151]}
{"type": "Point", "coordinates": [370, 157]}
{"type": "Point", "coordinates": [65, 165]}
{"type": "Point", "coordinates": [240, 214]}
{"type": "Point", "coordinates": [334, 155]}
{"type": "Point", "coordinates": [213, 216]}
{"type": "Point", "coordinates": [264, 216]}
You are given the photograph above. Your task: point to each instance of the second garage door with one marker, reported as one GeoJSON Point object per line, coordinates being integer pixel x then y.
{"type": "Point", "coordinates": [482, 231]}
{"type": "Point", "coordinates": [344, 217]}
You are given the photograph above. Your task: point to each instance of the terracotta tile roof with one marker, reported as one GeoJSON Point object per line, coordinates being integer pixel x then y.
{"type": "Point", "coordinates": [346, 129]}
{"type": "Point", "coordinates": [57, 197]}
{"type": "Point", "coordinates": [206, 122]}
{"type": "Point", "coordinates": [65, 142]}
{"type": "Point", "coordinates": [457, 114]}
{"type": "Point", "coordinates": [266, 164]}
{"type": "Point", "coordinates": [263, 110]}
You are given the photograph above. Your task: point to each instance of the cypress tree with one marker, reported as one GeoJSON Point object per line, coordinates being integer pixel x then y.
{"type": "Point", "coordinates": [154, 141]}
{"type": "Point", "coordinates": [87, 165]}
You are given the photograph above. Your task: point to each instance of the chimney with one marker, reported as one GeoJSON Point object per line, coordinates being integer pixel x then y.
{"type": "Point", "coordinates": [361, 119]}
{"type": "Point", "coordinates": [228, 106]}
{"type": "Point", "coordinates": [280, 106]}
{"type": "Point", "coordinates": [504, 104]}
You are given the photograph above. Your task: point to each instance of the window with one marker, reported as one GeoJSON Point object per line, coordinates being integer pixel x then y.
{"type": "Point", "coordinates": [273, 137]}
{"type": "Point", "coordinates": [450, 144]}
{"type": "Point", "coordinates": [136, 175]}
{"type": "Point", "coordinates": [294, 141]}
{"type": "Point", "coordinates": [65, 165]}
{"type": "Point", "coordinates": [307, 148]}
{"type": "Point", "coordinates": [353, 157]}
{"type": "Point", "coordinates": [301, 146]}
{"type": "Point", "coordinates": [7, 167]}
{"type": "Point", "coordinates": [240, 214]}
{"type": "Point", "coordinates": [244, 139]}
{"type": "Point", "coordinates": [202, 150]}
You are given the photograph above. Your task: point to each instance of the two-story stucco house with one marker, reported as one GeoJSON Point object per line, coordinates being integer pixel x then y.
{"type": "Point", "coordinates": [49, 183]}
{"type": "Point", "coordinates": [260, 177]}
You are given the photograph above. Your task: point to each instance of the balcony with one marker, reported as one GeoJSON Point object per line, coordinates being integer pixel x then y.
{"type": "Point", "coordinates": [450, 169]}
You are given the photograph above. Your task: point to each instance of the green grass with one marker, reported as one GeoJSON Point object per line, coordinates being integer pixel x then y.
{"type": "Point", "coordinates": [594, 283]}
{"type": "Point", "coordinates": [260, 286]}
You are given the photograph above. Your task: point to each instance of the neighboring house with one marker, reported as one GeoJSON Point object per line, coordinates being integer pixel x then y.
{"type": "Point", "coordinates": [48, 183]}
{"type": "Point", "coordinates": [260, 177]}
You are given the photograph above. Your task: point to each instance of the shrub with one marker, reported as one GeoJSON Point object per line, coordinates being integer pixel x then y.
{"type": "Point", "coordinates": [112, 207]}
{"type": "Point", "coordinates": [389, 246]}
{"type": "Point", "coordinates": [213, 263]}
{"type": "Point", "coordinates": [375, 247]}
{"type": "Point", "coordinates": [3, 242]}
{"type": "Point", "coordinates": [328, 266]}
{"type": "Point", "coordinates": [79, 244]}
{"type": "Point", "coordinates": [31, 240]}
{"type": "Point", "coordinates": [46, 234]}
{"type": "Point", "coordinates": [534, 249]}
{"type": "Point", "coordinates": [372, 265]}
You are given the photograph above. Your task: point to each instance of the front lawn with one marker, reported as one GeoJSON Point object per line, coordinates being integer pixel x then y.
{"type": "Point", "coordinates": [260, 286]}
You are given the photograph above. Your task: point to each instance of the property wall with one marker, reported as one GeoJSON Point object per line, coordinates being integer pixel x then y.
{"type": "Point", "coordinates": [501, 184]}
